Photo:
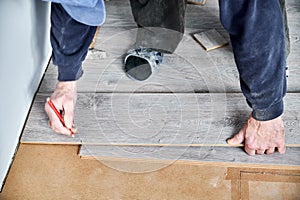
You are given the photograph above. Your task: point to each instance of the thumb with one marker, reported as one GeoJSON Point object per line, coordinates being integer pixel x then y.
{"type": "Point", "coordinates": [238, 138]}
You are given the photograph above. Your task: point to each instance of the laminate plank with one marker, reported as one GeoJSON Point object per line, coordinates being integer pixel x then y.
{"type": "Point", "coordinates": [176, 74]}
{"type": "Point", "coordinates": [213, 71]}
{"type": "Point", "coordinates": [169, 154]}
{"type": "Point", "coordinates": [293, 60]}
{"type": "Point", "coordinates": [118, 13]}
{"type": "Point", "coordinates": [155, 118]}
{"type": "Point", "coordinates": [37, 130]}
{"type": "Point", "coordinates": [210, 39]}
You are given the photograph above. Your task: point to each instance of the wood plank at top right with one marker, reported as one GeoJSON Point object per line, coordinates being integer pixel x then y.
{"type": "Point", "coordinates": [210, 39]}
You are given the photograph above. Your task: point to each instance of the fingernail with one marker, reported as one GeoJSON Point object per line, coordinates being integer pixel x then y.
{"type": "Point", "coordinates": [74, 129]}
{"type": "Point", "coordinates": [229, 141]}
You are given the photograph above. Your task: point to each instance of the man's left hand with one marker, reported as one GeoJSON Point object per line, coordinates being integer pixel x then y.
{"type": "Point", "coordinates": [261, 136]}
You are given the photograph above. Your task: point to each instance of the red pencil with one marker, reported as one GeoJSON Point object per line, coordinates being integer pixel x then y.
{"type": "Point", "coordinates": [60, 117]}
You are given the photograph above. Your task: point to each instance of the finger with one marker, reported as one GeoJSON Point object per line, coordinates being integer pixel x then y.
{"type": "Point", "coordinates": [53, 119]}
{"type": "Point", "coordinates": [69, 114]}
{"type": "Point", "coordinates": [54, 122]}
{"type": "Point", "coordinates": [270, 150]}
{"type": "Point", "coordinates": [61, 129]}
{"type": "Point", "coordinates": [260, 151]}
{"type": "Point", "coordinates": [249, 151]}
{"type": "Point", "coordinates": [282, 149]}
{"type": "Point", "coordinates": [238, 138]}
{"type": "Point", "coordinates": [74, 129]}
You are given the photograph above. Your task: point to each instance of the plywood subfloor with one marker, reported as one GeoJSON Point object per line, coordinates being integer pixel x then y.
{"type": "Point", "coordinates": [56, 172]}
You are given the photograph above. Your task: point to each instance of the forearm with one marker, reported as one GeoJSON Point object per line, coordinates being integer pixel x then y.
{"type": "Point", "coordinates": [70, 41]}
{"type": "Point", "coordinates": [258, 40]}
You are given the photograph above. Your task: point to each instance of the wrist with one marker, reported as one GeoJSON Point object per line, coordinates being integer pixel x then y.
{"type": "Point", "coordinates": [269, 113]}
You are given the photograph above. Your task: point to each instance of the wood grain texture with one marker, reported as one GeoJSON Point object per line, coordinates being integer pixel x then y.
{"type": "Point", "coordinates": [210, 39]}
{"type": "Point", "coordinates": [155, 118]}
{"type": "Point", "coordinates": [113, 111]}
{"type": "Point", "coordinates": [189, 154]}
{"type": "Point", "coordinates": [293, 15]}
{"type": "Point", "coordinates": [36, 126]}
{"type": "Point", "coordinates": [177, 74]}
{"type": "Point", "coordinates": [213, 71]}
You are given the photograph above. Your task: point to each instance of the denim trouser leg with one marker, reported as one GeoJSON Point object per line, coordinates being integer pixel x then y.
{"type": "Point", "coordinates": [286, 28]}
{"type": "Point", "coordinates": [160, 22]}
{"type": "Point", "coordinates": [257, 35]}
{"type": "Point", "coordinates": [70, 41]}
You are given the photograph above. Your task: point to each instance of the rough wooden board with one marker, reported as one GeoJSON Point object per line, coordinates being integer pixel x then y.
{"type": "Point", "coordinates": [210, 39]}
{"type": "Point", "coordinates": [155, 119]}
{"type": "Point", "coordinates": [192, 154]}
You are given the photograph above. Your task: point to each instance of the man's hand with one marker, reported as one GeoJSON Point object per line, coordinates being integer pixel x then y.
{"type": "Point", "coordinates": [64, 99]}
{"type": "Point", "coordinates": [261, 136]}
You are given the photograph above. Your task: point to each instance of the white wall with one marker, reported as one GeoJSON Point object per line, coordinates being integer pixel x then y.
{"type": "Point", "coordinates": [24, 53]}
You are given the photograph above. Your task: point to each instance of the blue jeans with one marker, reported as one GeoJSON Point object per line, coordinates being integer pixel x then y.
{"type": "Point", "coordinates": [70, 41]}
{"type": "Point", "coordinates": [257, 34]}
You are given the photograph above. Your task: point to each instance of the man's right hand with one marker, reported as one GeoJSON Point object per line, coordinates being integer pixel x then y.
{"type": "Point", "coordinates": [64, 98]}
